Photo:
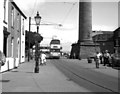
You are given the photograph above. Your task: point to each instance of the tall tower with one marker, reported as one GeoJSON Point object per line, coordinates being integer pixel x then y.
{"type": "Point", "coordinates": [85, 46]}
{"type": "Point", "coordinates": [85, 21]}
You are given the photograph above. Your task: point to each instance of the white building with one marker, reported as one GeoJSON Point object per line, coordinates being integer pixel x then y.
{"type": "Point", "coordinates": [3, 22]}
{"type": "Point", "coordinates": [12, 34]}
{"type": "Point", "coordinates": [119, 14]}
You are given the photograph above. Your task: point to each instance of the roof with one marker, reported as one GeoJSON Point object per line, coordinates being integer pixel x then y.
{"type": "Point", "coordinates": [18, 8]}
{"type": "Point", "coordinates": [107, 32]}
{"type": "Point", "coordinates": [117, 33]}
{"type": "Point", "coordinates": [103, 37]}
{"type": "Point", "coordinates": [118, 29]}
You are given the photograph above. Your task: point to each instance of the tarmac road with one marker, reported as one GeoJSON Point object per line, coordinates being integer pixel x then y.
{"type": "Point", "coordinates": [104, 79]}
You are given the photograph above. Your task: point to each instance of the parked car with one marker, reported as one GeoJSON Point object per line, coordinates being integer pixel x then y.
{"type": "Point", "coordinates": [116, 60]}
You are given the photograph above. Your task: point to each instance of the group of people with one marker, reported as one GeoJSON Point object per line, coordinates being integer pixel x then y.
{"type": "Point", "coordinates": [104, 58]}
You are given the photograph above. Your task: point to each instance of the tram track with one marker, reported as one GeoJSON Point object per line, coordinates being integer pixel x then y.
{"type": "Point", "coordinates": [66, 67]}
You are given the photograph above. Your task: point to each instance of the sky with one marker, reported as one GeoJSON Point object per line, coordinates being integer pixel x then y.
{"type": "Point", "coordinates": [65, 12]}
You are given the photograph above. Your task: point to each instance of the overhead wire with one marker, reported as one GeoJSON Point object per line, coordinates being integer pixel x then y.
{"type": "Point", "coordinates": [34, 7]}
{"type": "Point", "coordinates": [66, 16]}
{"type": "Point", "coordinates": [64, 19]}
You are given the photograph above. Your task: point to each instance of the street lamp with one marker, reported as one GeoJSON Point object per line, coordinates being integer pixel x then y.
{"type": "Point", "coordinates": [37, 20]}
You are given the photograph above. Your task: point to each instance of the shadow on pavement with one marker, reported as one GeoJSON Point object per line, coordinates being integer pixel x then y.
{"type": "Point", "coordinates": [22, 71]}
{"type": "Point", "coordinates": [4, 81]}
{"type": "Point", "coordinates": [117, 68]}
{"type": "Point", "coordinates": [14, 71]}
{"type": "Point", "coordinates": [29, 72]}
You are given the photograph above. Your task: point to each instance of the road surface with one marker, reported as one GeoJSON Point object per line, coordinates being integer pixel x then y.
{"type": "Point", "coordinates": [86, 75]}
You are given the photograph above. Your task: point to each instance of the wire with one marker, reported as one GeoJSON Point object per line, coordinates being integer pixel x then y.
{"type": "Point", "coordinates": [34, 7]}
{"type": "Point", "coordinates": [60, 24]}
{"type": "Point", "coordinates": [68, 12]}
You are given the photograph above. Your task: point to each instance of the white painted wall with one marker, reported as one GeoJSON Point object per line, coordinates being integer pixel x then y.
{"type": "Point", "coordinates": [119, 14]}
{"type": "Point", "coordinates": [1, 24]}
{"type": "Point", "coordinates": [22, 57]}
{"type": "Point", "coordinates": [10, 61]}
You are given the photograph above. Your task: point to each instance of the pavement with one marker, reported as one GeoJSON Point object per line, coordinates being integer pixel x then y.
{"type": "Point", "coordinates": [49, 79]}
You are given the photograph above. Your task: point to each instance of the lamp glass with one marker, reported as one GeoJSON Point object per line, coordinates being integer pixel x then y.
{"type": "Point", "coordinates": [37, 19]}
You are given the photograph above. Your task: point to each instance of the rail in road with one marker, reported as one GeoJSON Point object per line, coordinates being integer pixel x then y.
{"type": "Point", "coordinates": [87, 77]}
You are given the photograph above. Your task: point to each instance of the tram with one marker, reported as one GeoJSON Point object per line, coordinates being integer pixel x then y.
{"type": "Point", "coordinates": [55, 48]}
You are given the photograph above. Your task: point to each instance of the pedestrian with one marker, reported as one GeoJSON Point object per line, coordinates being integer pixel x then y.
{"type": "Point", "coordinates": [97, 59]}
{"type": "Point", "coordinates": [43, 59]}
{"type": "Point", "coordinates": [100, 57]}
{"type": "Point", "coordinates": [106, 58]}
{"type": "Point", "coordinates": [74, 56]}
{"type": "Point", "coordinates": [110, 59]}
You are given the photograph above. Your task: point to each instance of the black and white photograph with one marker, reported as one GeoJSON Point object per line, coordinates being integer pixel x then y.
{"type": "Point", "coordinates": [59, 46]}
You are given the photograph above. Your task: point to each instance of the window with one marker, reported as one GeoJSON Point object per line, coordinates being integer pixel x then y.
{"type": "Point", "coordinates": [12, 44]}
{"type": "Point", "coordinates": [18, 22]}
{"type": "Point", "coordinates": [55, 42]}
{"type": "Point", "coordinates": [12, 14]}
{"type": "Point", "coordinates": [23, 27]}
{"type": "Point", "coordinates": [55, 50]}
{"type": "Point", "coordinates": [118, 33]}
{"type": "Point", "coordinates": [117, 42]}
{"type": "Point", "coordinates": [5, 10]}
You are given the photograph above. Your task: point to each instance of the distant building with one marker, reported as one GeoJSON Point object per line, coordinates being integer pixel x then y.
{"type": "Point", "coordinates": [105, 39]}
{"type": "Point", "coordinates": [116, 38]}
{"type": "Point", "coordinates": [74, 51]}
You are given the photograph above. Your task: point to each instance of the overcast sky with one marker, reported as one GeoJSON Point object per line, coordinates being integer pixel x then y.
{"type": "Point", "coordinates": [65, 12]}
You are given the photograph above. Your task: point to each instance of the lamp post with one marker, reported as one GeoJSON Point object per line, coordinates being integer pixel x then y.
{"type": "Point", "coordinates": [37, 20]}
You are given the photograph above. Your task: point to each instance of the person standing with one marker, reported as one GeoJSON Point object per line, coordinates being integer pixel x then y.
{"type": "Point", "coordinates": [106, 57]}
{"type": "Point", "coordinates": [100, 57]}
{"type": "Point", "coordinates": [43, 59]}
{"type": "Point", "coordinates": [97, 59]}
